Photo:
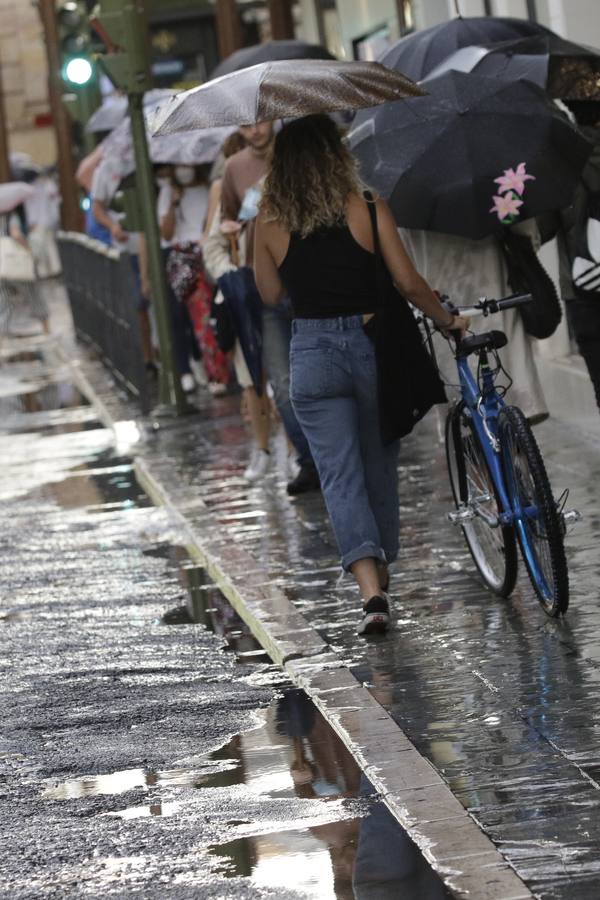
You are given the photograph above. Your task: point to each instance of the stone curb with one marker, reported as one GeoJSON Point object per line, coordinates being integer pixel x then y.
{"type": "Point", "coordinates": [449, 838]}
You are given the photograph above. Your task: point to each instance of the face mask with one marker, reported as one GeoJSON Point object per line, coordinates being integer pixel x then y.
{"type": "Point", "coordinates": [162, 182]}
{"type": "Point", "coordinates": [184, 174]}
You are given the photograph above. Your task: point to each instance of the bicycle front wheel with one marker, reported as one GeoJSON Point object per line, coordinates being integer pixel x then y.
{"type": "Point", "coordinates": [492, 546]}
{"type": "Point", "coordinates": [538, 524]}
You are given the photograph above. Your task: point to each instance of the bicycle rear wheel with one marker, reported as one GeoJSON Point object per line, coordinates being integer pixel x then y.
{"type": "Point", "coordinates": [493, 548]}
{"type": "Point", "coordinates": [538, 525]}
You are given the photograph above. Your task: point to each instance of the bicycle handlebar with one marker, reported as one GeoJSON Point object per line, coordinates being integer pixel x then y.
{"type": "Point", "coordinates": [489, 306]}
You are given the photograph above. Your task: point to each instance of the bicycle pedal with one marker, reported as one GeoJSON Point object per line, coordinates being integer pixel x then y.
{"type": "Point", "coordinates": [462, 515]}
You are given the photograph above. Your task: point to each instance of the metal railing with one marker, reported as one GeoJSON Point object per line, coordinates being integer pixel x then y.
{"type": "Point", "coordinates": [102, 294]}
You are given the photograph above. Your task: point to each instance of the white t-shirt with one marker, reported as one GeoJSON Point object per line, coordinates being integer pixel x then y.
{"type": "Point", "coordinates": [190, 215]}
{"type": "Point", "coordinates": [42, 209]}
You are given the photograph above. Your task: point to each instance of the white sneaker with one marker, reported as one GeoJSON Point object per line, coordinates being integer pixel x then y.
{"type": "Point", "coordinates": [198, 372]}
{"type": "Point", "coordinates": [187, 382]}
{"type": "Point", "coordinates": [292, 466]}
{"type": "Point", "coordinates": [258, 466]}
{"type": "Point", "coordinates": [217, 389]}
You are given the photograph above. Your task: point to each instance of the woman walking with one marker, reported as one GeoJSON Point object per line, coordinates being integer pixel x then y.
{"type": "Point", "coordinates": [182, 208]}
{"type": "Point", "coordinates": [315, 241]}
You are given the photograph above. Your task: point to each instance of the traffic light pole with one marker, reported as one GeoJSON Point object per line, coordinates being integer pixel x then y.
{"type": "Point", "coordinates": [171, 397]}
{"type": "Point", "coordinates": [122, 26]}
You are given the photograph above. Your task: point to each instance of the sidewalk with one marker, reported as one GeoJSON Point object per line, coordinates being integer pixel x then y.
{"type": "Point", "coordinates": [497, 705]}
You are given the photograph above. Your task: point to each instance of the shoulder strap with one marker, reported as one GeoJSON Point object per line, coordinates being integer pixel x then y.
{"type": "Point", "coordinates": [379, 263]}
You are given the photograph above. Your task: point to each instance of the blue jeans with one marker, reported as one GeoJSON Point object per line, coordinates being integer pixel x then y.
{"type": "Point", "coordinates": [334, 394]}
{"type": "Point", "coordinates": [277, 334]}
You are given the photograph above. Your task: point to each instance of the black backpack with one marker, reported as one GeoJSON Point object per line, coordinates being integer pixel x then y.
{"type": "Point", "coordinates": [526, 275]}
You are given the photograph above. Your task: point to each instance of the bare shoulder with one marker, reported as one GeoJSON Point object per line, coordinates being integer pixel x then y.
{"type": "Point", "coordinates": [272, 236]}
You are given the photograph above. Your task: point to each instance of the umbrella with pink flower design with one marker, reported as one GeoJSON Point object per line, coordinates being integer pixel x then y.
{"type": "Point", "coordinates": [472, 156]}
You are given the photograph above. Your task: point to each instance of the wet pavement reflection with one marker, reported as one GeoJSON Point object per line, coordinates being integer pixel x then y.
{"type": "Point", "coordinates": [148, 744]}
{"type": "Point", "coordinates": [503, 701]}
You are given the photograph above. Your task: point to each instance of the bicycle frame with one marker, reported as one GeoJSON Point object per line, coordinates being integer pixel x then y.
{"type": "Point", "coordinates": [484, 407]}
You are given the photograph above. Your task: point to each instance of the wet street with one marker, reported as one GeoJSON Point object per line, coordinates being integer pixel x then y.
{"type": "Point", "coordinates": [147, 739]}
{"type": "Point", "coordinates": [147, 742]}
{"type": "Point", "coordinates": [503, 701]}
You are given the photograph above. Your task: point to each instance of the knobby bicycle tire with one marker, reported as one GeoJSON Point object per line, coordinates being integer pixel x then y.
{"type": "Point", "coordinates": [494, 550]}
{"type": "Point", "coordinates": [541, 537]}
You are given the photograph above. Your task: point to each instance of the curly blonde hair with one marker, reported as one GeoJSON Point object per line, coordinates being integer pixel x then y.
{"type": "Point", "coordinates": [311, 177]}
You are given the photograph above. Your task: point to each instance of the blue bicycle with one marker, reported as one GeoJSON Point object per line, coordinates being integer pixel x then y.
{"type": "Point", "coordinates": [498, 478]}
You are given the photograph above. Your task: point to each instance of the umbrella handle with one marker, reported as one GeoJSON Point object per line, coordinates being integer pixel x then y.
{"type": "Point", "coordinates": [234, 250]}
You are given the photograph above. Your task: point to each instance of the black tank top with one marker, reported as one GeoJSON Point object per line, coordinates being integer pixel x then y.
{"type": "Point", "coordinates": [328, 274]}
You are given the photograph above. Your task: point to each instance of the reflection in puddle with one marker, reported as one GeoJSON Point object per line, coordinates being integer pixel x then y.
{"type": "Point", "coordinates": [140, 812]}
{"type": "Point", "coordinates": [213, 774]}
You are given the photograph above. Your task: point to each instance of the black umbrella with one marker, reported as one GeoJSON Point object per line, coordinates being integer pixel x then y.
{"type": "Point", "coordinates": [548, 60]}
{"type": "Point", "coordinates": [436, 159]}
{"type": "Point", "coordinates": [280, 89]}
{"type": "Point", "coordinates": [417, 54]}
{"type": "Point", "coordinates": [270, 50]}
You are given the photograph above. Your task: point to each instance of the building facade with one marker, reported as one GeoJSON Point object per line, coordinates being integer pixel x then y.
{"type": "Point", "coordinates": [25, 81]}
{"type": "Point", "coordinates": [346, 25]}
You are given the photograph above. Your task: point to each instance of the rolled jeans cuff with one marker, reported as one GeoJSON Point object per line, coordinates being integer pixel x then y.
{"type": "Point", "coordinates": [365, 551]}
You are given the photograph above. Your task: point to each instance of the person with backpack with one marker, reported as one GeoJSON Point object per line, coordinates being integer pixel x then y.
{"type": "Point", "coordinates": [579, 248]}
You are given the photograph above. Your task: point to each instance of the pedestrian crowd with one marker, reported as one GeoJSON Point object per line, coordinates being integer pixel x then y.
{"type": "Point", "coordinates": [277, 258]}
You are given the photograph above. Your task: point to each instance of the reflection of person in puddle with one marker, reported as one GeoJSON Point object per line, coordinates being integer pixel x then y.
{"type": "Point", "coordinates": [322, 768]}
{"type": "Point", "coordinates": [388, 864]}
{"type": "Point", "coordinates": [372, 858]}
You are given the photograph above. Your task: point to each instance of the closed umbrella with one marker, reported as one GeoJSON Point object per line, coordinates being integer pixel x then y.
{"type": "Point", "coordinates": [417, 54]}
{"type": "Point", "coordinates": [440, 160]}
{"type": "Point", "coordinates": [275, 90]}
{"type": "Point", "coordinates": [270, 50]}
{"type": "Point", "coordinates": [548, 60]}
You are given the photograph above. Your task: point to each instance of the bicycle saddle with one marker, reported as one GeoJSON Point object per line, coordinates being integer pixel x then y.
{"type": "Point", "coordinates": [488, 340]}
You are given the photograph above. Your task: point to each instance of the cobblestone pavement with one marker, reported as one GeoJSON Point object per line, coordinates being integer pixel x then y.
{"type": "Point", "coordinates": [503, 701]}
{"type": "Point", "coordinates": [147, 746]}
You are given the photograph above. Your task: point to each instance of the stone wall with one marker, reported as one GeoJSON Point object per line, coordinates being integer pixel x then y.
{"type": "Point", "coordinates": [24, 75]}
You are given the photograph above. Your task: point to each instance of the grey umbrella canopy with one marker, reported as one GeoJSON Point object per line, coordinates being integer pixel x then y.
{"type": "Point", "coordinates": [108, 115]}
{"type": "Point", "coordinates": [276, 90]}
{"type": "Point", "coordinates": [113, 110]}
{"type": "Point", "coordinates": [174, 149]}
{"type": "Point", "coordinates": [437, 159]}
{"type": "Point", "coordinates": [267, 52]}
{"type": "Point", "coordinates": [548, 60]}
{"type": "Point", "coordinates": [417, 54]}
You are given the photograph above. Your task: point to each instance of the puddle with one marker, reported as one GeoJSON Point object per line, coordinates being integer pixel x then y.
{"type": "Point", "coordinates": [36, 393]}
{"type": "Point", "coordinates": [322, 829]}
{"type": "Point", "coordinates": [287, 800]}
{"type": "Point", "coordinates": [281, 804]}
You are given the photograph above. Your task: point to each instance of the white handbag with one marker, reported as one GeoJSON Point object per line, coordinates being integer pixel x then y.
{"type": "Point", "coordinates": [16, 262]}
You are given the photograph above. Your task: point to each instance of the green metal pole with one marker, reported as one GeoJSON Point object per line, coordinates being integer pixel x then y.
{"type": "Point", "coordinates": [171, 397]}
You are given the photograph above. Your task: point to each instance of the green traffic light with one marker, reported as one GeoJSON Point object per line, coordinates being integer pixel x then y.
{"type": "Point", "coordinates": [78, 70]}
